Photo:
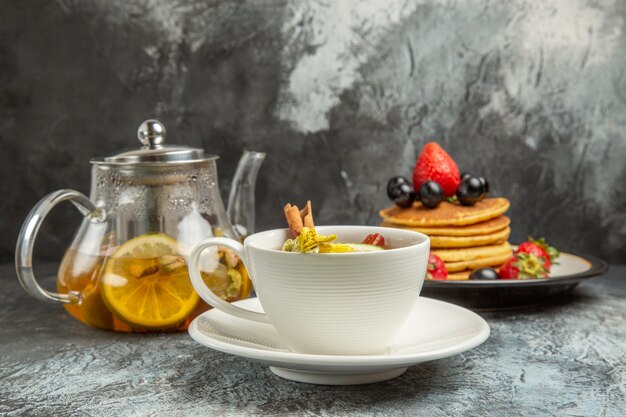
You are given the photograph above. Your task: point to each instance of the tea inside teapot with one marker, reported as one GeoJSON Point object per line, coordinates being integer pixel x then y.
{"type": "Point", "coordinates": [144, 284]}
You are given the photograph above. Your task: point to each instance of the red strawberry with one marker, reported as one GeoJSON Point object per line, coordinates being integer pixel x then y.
{"type": "Point", "coordinates": [523, 266]}
{"type": "Point", "coordinates": [375, 239]}
{"type": "Point", "coordinates": [509, 270]}
{"type": "Point", "coordinates": [533, 248]}
{"type": "Point", "coordinates": [434, 164]}
{"type": "Point", "coordinates": [436, 268]}
{"type": "Point", "coordinates": [541, 249]}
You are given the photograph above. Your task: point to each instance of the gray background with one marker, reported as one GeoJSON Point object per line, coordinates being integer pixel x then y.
{"type": "Point", "coordinates": [341, 95]}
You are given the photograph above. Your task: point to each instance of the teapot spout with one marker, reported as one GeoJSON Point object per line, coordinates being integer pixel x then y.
{"type": "Point", "coordinates": [241, 199]}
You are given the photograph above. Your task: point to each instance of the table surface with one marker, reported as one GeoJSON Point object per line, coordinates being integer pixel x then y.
{"type": "Point", "coordinates": [563, 359]}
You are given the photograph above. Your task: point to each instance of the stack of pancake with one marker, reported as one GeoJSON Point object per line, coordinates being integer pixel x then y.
{"type": "Point", "coordinates": [464, 237]}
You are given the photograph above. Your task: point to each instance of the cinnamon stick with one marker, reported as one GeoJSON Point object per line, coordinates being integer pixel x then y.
{"type": "Point", "coordinates": [294, 221]}
{"type": "Point", "coordinates": [307, 215]}
{"type": "Point", "coordinates": [297, 219]}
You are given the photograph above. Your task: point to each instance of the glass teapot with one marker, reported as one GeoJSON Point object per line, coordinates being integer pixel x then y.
{"type": "Point", "coordinates": [126, 269]}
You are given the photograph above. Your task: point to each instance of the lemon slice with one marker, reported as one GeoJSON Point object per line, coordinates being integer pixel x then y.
{"type": "Point", "coordinates": [348, 247]}
{"type": "Point", "coordinates": [335, 248]}
{"type": "Point", "coordinates": [146, 282]}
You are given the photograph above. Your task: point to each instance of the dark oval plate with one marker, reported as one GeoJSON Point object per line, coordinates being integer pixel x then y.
{"type": "Point", "coordinates": [506, 294]}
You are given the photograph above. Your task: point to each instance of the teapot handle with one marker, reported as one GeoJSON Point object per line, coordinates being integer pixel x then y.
{"type": "Point", "coordinates": [26, 242]}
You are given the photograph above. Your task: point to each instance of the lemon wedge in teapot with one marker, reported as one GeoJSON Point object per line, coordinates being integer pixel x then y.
{"type": "Point", "coordinates": [146, 283]}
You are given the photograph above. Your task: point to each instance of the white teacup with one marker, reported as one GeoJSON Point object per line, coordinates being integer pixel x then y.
{"type": "Point", "coordinates": [336, 304]}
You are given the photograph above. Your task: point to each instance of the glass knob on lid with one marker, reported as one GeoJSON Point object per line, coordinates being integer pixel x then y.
{"type": "Point", "coordinates": [151, 134]}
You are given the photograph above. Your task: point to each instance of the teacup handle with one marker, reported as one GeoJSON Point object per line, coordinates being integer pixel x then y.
{"type": "Point", "coordinates": [205, 292]}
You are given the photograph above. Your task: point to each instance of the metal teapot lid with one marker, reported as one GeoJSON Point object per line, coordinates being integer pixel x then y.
{"type": "Point", "coordinates": [151, 134]}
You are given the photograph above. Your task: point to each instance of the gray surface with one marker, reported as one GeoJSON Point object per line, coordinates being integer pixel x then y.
{"type": "Point", "coordinates": [342, 95]}
{"type": "Point", "coordinates": [565, 359]}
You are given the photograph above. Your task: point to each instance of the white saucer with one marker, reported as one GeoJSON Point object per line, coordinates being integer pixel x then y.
{"type": "Point", "coordinates": [434, 330]}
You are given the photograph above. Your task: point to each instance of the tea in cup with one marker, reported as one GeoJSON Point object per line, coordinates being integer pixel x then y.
{"type": "Point", "coordinates": [350, 303]}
